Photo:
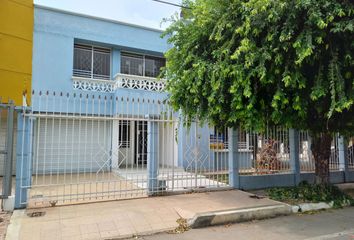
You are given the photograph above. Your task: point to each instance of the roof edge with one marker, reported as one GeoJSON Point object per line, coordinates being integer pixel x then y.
{"type": "Point", "coordinates": [96, 17]}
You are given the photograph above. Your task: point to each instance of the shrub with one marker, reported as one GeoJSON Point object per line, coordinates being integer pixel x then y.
{"type": "Point", "coordinates": [306, 192]}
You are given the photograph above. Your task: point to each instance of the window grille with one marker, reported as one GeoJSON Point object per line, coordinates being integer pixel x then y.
{"type": "Point", "coordinates": [219, 139]}
{"type": "Point", "coordinates": [132, 64]}
{"type": "Point", "coordinates": [140, 65]}
{"type": "Point", "coordinates": [153, 66]}
{"type": "Point", "coordinates": [92, 62]}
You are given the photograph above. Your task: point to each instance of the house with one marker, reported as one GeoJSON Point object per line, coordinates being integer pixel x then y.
{"type": "Point", "coordinates": [99, 125]}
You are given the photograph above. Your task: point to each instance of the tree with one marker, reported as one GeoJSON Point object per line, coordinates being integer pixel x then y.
{"type": "Point", "coordinates": [258, 62]}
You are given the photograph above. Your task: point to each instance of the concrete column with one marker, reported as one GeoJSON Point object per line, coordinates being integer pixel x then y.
{"type": "Point", "coordinates": [152, 160]}
{"type": "Point", "coordinates": [23, 160]}
{"type": "Point", "coordinates": [343, 156]}
{"type": "Point", "coordinates": [294, 154]}
{"type": "Point", "coordinates": [115, 62]}
{"type": "Point", "coordinates": [234, 178]}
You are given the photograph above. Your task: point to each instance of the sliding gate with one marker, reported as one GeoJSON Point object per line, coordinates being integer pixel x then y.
{"type": "Point", "coordinates": [85, 148]}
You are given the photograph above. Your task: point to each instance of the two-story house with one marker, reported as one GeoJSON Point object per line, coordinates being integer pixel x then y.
{"type": "Point", "coordinates": [100, 126]}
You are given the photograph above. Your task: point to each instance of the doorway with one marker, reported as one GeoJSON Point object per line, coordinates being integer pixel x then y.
{"type": "Point", "coordinates": [140, 143]}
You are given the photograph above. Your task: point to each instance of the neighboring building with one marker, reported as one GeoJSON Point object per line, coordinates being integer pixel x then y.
{"type": "Point", "coordinates": [16, 31]}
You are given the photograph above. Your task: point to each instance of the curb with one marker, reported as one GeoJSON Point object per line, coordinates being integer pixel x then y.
{"type": "Point", "coordinates": [238, 215]}
{"type": "Point", "coordinates": [307, 207]}
{"type": "Point", "coordinates": [13, 229]}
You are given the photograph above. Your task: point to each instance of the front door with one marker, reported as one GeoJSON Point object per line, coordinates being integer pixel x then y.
{"type": "Point", "coordinates": [140, 143]}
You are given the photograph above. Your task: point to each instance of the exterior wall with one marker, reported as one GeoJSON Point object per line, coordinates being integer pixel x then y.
{"type": "Point", "coordinates": [16, 31]}
{"type": "Point", "coordinates": [62, 145]}
{"type": "Point", "coordinates": [285, 180]}
{"type": "Point", "coordinates": [55, 32]}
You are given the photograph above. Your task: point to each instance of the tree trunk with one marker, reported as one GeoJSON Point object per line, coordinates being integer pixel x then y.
{"type": "Point", "coordinates": [321, 150]}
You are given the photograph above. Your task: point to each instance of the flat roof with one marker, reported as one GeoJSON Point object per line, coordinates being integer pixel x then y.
{"type": "Point", "coordinates": [97, 18]}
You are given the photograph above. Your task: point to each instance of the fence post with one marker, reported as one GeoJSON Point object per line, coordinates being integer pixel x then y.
{"type": "Point", "coordinates": [23, 160]}
{"type": "Point", "coordinates": [294, 154]}
{"type": "Point", "coordinates": [343, 156]}
{"type": "Point", "coordinates": [234, 177]}
{"type": "Point", "coordinates": [152, 161]}
{"type": "Point", "coordinates": [7, 203]}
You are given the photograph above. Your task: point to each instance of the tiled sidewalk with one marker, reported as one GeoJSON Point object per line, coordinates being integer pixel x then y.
{"type": "Point", "coordinates": [116, 219]}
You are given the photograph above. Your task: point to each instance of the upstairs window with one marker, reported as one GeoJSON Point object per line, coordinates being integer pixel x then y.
{"type": "Point", "coordinates": [92, 62]}
{"type": "Point", "coordinates": [141, 65]}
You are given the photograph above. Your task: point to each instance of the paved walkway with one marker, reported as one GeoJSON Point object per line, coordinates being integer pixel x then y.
{"type": "Point", "coordinates": [127, 218]}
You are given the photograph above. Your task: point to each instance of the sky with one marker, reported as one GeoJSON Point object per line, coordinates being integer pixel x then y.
{"type": "Point", "coordinates": [142, 12]}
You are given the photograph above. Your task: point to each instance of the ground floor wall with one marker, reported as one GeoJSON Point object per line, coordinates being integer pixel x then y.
{"type": "Point", "coordinates": [69, 145]}
{"type": "Point", "coordinates": [284, 180]}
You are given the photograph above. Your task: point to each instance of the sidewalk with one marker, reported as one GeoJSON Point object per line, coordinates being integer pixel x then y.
{"type": "Point", "coordinates": [118, 219]}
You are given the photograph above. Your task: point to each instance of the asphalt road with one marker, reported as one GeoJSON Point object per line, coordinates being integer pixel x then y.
{"type": "Point", "coordinates": [332, 224]}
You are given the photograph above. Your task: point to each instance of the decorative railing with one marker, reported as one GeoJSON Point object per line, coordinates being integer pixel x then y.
{"type": "Point", "coordinates": [96, 85]}
{"type": "Point", "coordinates": [120, 81]}
{"type": "Point", "coordinates": [139, 82]}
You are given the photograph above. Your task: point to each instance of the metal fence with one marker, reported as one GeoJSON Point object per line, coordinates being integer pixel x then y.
{"type": "Point", "coordinates": [264, 153]}
{"type": "Point", "coordinates": [7, 150]}
{"type": "Point", "coordinates": [350, 153]}
{"type": "Point", "coordinates": [77, 148]}
{"type": "Point", "coordinates": [307, 162]}
{"type": "Point", "coordinates": [98, 147]}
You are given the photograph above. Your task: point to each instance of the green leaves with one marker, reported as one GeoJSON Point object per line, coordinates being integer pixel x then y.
{"type": "Point", "coordinates": [264, 61]}
{"type": "Point", "coordinates": [306, 192]}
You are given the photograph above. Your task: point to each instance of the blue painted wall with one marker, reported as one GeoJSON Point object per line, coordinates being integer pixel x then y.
{"type": "Point", "coordinates": [55, 32]}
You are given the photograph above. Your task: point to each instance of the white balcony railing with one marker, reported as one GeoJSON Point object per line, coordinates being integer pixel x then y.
{"type": "Point", "coordinates": [97, 85]}
{"type": "Point", "coordinates": [139, 82]}
{"type": "Point", "coordinates": [120, 81]}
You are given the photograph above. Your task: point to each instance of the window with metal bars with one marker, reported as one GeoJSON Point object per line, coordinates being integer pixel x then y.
{"type": "Point", "coordinates": [219, 139]}
{"type": "Point", "coordinates": [92, 62]}
{"type": "Point", "coordinates": [141, 65]}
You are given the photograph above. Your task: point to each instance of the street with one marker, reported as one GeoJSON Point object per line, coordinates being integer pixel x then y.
{"type": "Point", "coordinates": [331, 224]}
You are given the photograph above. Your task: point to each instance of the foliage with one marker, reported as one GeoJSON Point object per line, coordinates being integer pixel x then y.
{"type": "Point", "coordinates": [259, 62]}
{"type": "Point", "coordinates": [305, 192]}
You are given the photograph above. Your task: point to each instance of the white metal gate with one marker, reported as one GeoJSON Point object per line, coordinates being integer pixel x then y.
{"type": "Point", "coordinates": [91, 148]}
